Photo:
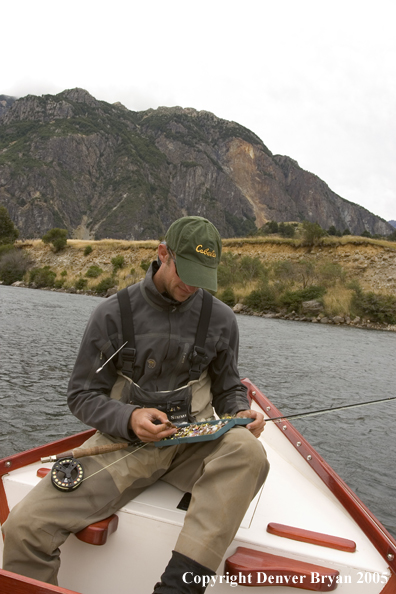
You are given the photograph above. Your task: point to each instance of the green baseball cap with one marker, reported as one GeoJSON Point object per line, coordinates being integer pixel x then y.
{"type": "Point", "coordinates": [197, 246]}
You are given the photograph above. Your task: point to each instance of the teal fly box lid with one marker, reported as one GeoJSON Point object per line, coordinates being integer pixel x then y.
{"type": "Point", "coordinates": [201, 431]}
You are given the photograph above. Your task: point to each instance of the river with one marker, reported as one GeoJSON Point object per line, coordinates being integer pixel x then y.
{"type": "Point", "coordinates": [299, 366]}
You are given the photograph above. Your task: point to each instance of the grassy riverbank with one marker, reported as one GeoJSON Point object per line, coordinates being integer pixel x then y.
{"type": "Point", "coordinates": [345, 279]}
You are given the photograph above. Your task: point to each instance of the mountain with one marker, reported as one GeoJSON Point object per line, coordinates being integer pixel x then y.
{"type": "Point", "coordinates": [393, 223]}
{"type": "Point", "coordinates": [101, 170]}
{"type": "Point", "coordinates": [5, 103]}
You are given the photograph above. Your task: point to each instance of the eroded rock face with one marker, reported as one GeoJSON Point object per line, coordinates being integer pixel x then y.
{"type": "Point", "coordinates": [100, 170]}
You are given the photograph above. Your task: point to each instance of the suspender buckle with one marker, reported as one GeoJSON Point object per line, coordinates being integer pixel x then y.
{"type": "Point", "coordinates": [198, 359]}
{"type": "Point", "coordinates": [128, 360]}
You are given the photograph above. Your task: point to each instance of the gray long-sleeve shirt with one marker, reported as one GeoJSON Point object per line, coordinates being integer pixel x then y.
{"type": "Point", "coordinates": [165, 332]}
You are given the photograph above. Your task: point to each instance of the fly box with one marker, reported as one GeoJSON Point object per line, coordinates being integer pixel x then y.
{"type": "Point", "coordinates": [201, 431]}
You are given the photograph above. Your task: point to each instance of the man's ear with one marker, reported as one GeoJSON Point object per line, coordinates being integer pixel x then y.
{"type": "Point", "coordinates": [162, 253]}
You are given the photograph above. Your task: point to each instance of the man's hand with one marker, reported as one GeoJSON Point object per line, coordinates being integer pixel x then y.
{"type": "Point", "coordinates": [150, 424]}
{"type": "Point", "coordinates": [256, 426]}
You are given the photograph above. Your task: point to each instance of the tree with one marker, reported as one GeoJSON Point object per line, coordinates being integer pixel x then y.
{"type": "Point", "coordinates": [58, 238]}
{"type": "Point", "coordinates": [8, 232]}
{"type": "Point", "coordinates": [332, 230]}
{"type": "Point", "coordinates": [13, 266]}
{"type": "Point", "coordinates": [286, 230]}
{"type": "Point", "coordinates": [312, 233]}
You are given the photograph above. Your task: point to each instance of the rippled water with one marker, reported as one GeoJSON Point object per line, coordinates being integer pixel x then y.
{"type": "Point", "coordinates": [300, 367]}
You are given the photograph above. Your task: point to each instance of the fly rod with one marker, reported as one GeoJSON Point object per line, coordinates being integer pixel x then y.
{"type": "Point", "coordinates": [95, 450]}
{"type": "Point", "coordinates": [327, 410]}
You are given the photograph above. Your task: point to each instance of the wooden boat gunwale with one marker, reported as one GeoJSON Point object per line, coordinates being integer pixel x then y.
{"type": "Point", "coordinates": [380, 538]}
{"type": "Point", "coordinates": [373, 529]}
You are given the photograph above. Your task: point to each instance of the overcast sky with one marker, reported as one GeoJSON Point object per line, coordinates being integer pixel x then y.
{"type": "Point", "coordinates": [314, 79]}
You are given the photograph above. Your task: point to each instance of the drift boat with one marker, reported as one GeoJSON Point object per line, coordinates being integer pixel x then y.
{"type": "Point", "coordinates": [305, 530]}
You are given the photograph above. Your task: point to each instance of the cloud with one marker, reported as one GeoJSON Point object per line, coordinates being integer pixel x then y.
{"type": "Point", "coordinates": [314, 80]}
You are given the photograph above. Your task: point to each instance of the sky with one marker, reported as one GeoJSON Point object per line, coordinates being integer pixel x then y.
{"type": "Point", "coordinates": [314, 79]}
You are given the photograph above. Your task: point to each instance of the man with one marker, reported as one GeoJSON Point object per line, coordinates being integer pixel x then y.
{"type": "Point", "coordinates": [130, 392]}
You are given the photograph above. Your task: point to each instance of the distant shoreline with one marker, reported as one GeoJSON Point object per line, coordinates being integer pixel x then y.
{"type": "Point", "coordinates": [240, 309]}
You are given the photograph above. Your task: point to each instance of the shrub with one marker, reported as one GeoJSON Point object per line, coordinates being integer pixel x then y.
{"type": "Point", "coordinates": [330, 272]}
{"type": "Point", "coordinates": [303, 271]}
{"type": "Point", "coordinates": [88, 250]}
{"type": "Point", "coordinates": [8, 232]}
{"type": "Point", "coordinates": [228, 297]}
{"type": "Point", "coordinates": [118, 262]}
{"type": "Point", "coordinates": [251, 269]}
{"type": "Point", "coordinates": [80, 284]}
{"type": "Point", "coordinates": [93, 271]}
{"type": "Point", "coordinates": [58, 284]}
{"type": "Point", "coordinates": [145, 264]}
{"type": "Point", "coordinates": [13, 265]}
{"type": "Point", "coordinates": [287, 230]}
{"type": "Point", "coordinates": [5, 248]}
{"type": "Point", "coordinates": [374, 306]}
{"type": "Point", "coordinates": [284, 271]}
{"type": "Point", "coordinates": [293, 299]}
{"type": "Point", "coordinates": [228, 270]}
{"type": "Point", "coordinates": [262, 299]}
{"type": "Point", "coordinates": [312, 233]}
{"type": "Point", "coordinates": [104, 285]}
{"type": "Point", "coordinates": [58, 238]}
{"type": "Point", "coordinates": [42, 277]}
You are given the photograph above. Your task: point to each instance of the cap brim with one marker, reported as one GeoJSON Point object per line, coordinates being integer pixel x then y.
{"type": "Point", "coordinates": [196, 275]}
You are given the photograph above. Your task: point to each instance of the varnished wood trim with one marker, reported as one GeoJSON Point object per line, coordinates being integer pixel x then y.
{"type": "Point", "coordinates": [4, 509]}
{"type": "Point", "coordinates": [373, 529]}
{"type": "Point", "coordinates": [390, 587]}
{"type": "Point", "coordinates": [98, 533]}
{"type": "Point", "coordinates": [317, 538]}
{"type": "Point", "coordinates": [250, 566]}
{"type": "Point", "coordinates": [12, 583]}
{"type": "Point", "coordinates": [56, 447]}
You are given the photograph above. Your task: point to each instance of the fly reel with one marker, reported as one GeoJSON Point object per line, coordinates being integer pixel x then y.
{"type": "Point", "coordinates": [67, 474]}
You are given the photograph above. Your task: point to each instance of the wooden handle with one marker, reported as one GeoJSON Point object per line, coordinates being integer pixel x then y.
{"type": "Point", "coordinates": [96, 450]}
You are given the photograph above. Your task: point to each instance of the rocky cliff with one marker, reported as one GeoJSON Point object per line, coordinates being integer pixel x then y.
{"type": "Point", "coordinates": [101, 170]}
{"type": "Point", "coordinates": [5, 103]}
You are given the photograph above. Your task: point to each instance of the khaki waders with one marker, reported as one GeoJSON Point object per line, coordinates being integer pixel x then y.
{"type": "Point", "coordinates": [223, 476]}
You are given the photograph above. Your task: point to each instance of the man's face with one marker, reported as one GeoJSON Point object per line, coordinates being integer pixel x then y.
{"type": "Point", "coordinates": [168, 280]}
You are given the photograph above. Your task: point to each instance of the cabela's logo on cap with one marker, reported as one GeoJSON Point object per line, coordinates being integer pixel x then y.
{"type": "Point", "coordinates": [206, 251]}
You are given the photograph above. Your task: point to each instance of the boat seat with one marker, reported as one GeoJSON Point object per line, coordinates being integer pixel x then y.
{"type": "Point", "coordinates": [248, 567]}
{"type": "Point", "coordinates": [96, 533]}
{"type": "Point", "coordinates": [316, 538]}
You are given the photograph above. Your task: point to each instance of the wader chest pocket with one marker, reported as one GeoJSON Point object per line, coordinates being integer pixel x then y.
{"type": "Point", "coordinates": [176, 404]}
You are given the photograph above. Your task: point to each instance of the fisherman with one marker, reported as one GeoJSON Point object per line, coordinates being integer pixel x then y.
{"type": "Point", "coordinates": [179, 364]}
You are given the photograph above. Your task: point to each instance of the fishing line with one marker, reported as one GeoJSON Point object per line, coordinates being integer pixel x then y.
{"type": "Point", "coordinates": [115, 462]}
{"type": "Point", "coordinates": [328, 410]}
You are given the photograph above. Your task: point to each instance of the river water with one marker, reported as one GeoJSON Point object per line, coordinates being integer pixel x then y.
{"type": "Point", "coordinates": [299, 366]}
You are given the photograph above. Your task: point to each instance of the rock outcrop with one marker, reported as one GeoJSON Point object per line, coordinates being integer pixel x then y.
{"type": "Point", "coordinates": [101, 170]}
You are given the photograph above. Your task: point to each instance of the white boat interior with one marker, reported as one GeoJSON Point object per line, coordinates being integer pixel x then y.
{"type": "Point", "coordinates": [294, 498]}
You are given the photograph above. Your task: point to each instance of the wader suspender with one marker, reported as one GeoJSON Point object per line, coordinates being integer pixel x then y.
{"type": "Point", "coordinates": [198, 356]}
{"type": "Point", "coordinates": [128, 333]}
